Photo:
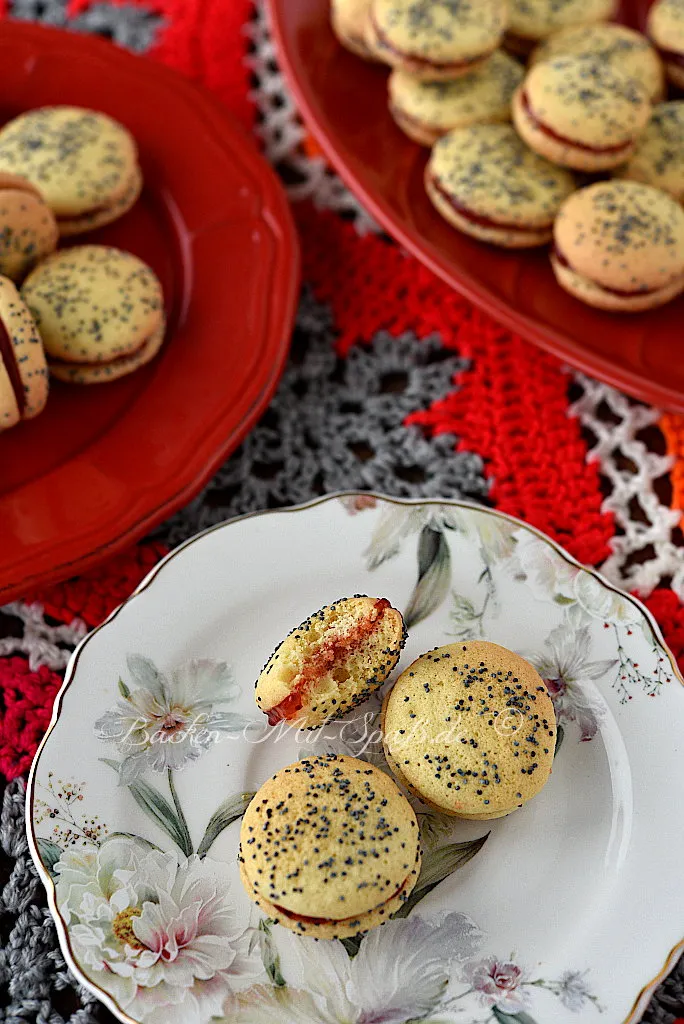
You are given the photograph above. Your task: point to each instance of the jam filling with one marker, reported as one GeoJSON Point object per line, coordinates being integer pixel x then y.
{"type": "Point", "coordinates": [323, 659]}
{"type": "Point", "coordinates": [565, 262]}
{"type": "Point", "coordinates": [478, 218]}
{"type": "Point", "coordinates": [672, 56]}
{"type": "Point", "coordinates": [329, 920]}
{"type": "Point", "coordinates": [106, 362]}
{"type": "Point", "coordinates": [425, 62]}
{"type": "Point", "coordinates": [9, 359]}
{"type": "Point", "coordinates": [563, 138]}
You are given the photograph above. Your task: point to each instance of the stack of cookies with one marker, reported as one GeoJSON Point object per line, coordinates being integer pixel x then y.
{"type": "Point", "coordinates": [594, 157]}
{"type": "Point", "coordinates": [88, 313]}
{"type": "Point", "coordinates": [329, 846]}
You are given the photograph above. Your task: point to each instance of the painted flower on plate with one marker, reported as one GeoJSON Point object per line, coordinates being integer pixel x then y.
{"type": "Point", "coordinates": [399, 974]}
{"type": "Point", "coordinates": [573, 991]}
{"type": "Point", "coordinates": [168, 722]}
{"type": "Point", "coordinates": [552, 577]}
{"type": "Point", "coordinates": [155, 931]}
{"type": "Point", "coordinates": [566, 668]}
{"type": "Point", "coordinates": [497, 983]}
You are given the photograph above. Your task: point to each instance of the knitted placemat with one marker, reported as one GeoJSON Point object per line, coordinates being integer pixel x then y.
{"type": "Point", "coordinates": [394, 383]}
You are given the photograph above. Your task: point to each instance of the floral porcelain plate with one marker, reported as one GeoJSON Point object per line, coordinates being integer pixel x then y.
{"type": "Point", "coordinates": [568, 910]}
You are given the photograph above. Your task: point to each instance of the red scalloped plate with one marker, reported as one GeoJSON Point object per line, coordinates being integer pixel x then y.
{"type": "Point", "coordinates": [104, 464]}
{"type": "Point", "coordinates": [343, 100]}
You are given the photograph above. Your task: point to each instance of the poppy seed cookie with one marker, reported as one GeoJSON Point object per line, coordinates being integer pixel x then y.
{"type": "Point", "coordinates": [84, 163]}
{"type": "Point", "coordinates": [330, 662]}
{"type": "Point", "coordinates": [658, 158]}
{"type": "Point", "coordinates": [581, 113]}
{"type": "Point", "coordinates": [349, 19]}
{"type": "Point", "coordinates": [28, 229]}
{"type": "Point", "coordinates": [470, 729]}
{"type": "Point", "coordinates": [24, 382]}
{"type": "Point", "coordinates": [329, 847]}
{"type": "Point", "coordinates": [619, 246]}
{"type": "Point", "coordinates": [99, 311]}
{"type": "Point", "coordinates": [666, 30]}
{"type": "Point", "coordinates": [614, 45]}
{"type": "Point", "coordinates": [530, 21]}
{"type": "Point", "coordinates": [436, 39]}
{"type": "Point", "coordinates": [428, 110]}
{"type": "Point", "coordinates": [487, 183]}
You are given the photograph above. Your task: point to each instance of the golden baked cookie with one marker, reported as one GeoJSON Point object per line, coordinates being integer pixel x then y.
{"type": "Point", "coordinates": [24, 382]}
{"type": "Point", "coordinates": [330, 662]}
{"type": "Point", "coordinates": [666, 29]}
{"type": "Point", "coordinates": [619, 246]}
{"type": "Point", "coordinates": [84, 164]}
{"type": "Point", "coordinates": [329, 847]}
{"type": "Point", "coordinates": [615, 45]}
{"type": "Point", "coordinates": [100, 312]}
{"type": "Point", "coordinates": [580, 112]}
{"type": "Point", "coordinates": [428, 110]}
{"type": "Point", "coordinates": [530, 21]}
{"type": "Point", "coordinates": [28, 229]}
{"type": "Point", "coordinates": [349, 19]}
{"type": "Point", "coordinates": [470, 729]}
{"type": "Point", "coordinates": [658, 158]}
{"type": "Point", "coordinates": [435, 39]}
{"type": "Point", "coordinates": [487, 183]}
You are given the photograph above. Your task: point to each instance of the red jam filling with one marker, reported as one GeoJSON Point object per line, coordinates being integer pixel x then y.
{"type": "Point", "coordinates": [478, 218]}
{"type": "Point", "coordinates": [563, 138]}
{"type": "Point", "coordinates": [328, 920]}
{"type": "Point", "coordinates": [565, 262]}
{"type": "Point", "coordinates": [9, 359]}
{"type": "Point", "coordinates": [425, 62]}
{"type": "Point", "coordinates": [672, 56]}
{"type": "Point", "coordinates": [324, 658]}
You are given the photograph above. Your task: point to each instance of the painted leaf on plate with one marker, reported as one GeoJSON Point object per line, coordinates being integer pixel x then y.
{"type": "Point", "coordinates": [438, 865]}
{"type": "Point", "coordinates": [228, 812]}
{"type": "Point", "coordinates": [434, 576]}
{"type": "Point", "coordinates": [49, 852]}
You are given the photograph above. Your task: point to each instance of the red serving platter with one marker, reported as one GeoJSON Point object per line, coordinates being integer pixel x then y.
{"type": "Point", "coordinates": [104, 464]}
{"type": "Point", "coordinates": [344, 101]}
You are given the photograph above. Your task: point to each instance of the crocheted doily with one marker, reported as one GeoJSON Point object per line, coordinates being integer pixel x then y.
{"type": "Point", "coordinates": [394, 383]}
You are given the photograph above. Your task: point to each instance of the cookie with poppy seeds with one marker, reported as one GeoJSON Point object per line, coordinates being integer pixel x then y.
{"type": "Point", "coordinates": [84, 163]}
{"type": "Point", "coordinates": [619, 246]}
{"type": "Point", "coordinates": [658, 159]}
{"type": "Point", "coordinates": [666, 30]}
{"type": "Point", "coordinates": [28, 229]}
{"type": "Point", "coordinates": [437, 40]}
{"type": "Point", "coordinates": [530, 21]}
{"type": "Point", "coordinates": [428, 110]}
{"type": "Point", "coordinates": [24, 382]}
{"type": "Point", "coordinates": [99, 310]}
{"type": "Point", "coordinates": [330, 662]}
{"type": "Point", "coordinates": [581, 113]}
{"type": "Point", "coordinates": [349, 22]}
{"type": "Point", "coordinates": [329, 847]}
{"type": "Point", "coordinates": [616, 45]}
{"type": "Point", "coordinates": [470, 729]}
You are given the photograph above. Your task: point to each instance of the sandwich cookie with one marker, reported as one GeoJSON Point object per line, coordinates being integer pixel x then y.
{"type": "Point", "coordinates": [349, 19]}
{"type": "Point", "coordinates": [24, 382]}
{"type": "Point", "coordinates": [428, 110]}
{"type": "Point", "coordinates": [436, 39]}
{"type": "Point", "coordinates": [666, 29]}
{"type": "Point", "coordinates": [470, 729]}
{"type": "Point", "coordinates": [330, 662]}
{"type": "Point", "coordinates": [99, 310]}
{"type": "Point", "coordinates": [616, 45]}
{"type": "Point", "coordinates": [28, 229]}
{"type": "Point", "coordinates": [658, 159]}
{"type": "Point", "coordinates": [329, 847]}
{"type": "Point", "coordinates": [531, 21]}
{"type": "Point", "coordinates": [581, 113]}
{"type": "Point", "coordinates": [487, 183]}
{"type": "Point", "coordinates": [84, 164]}
{"type": "Point", "coordinates": [619, 245]}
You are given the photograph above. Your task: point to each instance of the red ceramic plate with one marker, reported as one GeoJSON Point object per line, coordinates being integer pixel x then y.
{"type": "Point", "coordinates": [344, 101]}
{"type": "Point", "coordinates": [104, 464]}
